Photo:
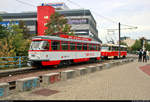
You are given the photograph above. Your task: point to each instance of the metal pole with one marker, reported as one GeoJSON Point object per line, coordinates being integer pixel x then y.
{"type": "Point", "coordinates": [119, 39]}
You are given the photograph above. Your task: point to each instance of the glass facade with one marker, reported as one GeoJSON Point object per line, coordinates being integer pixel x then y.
{"type": "Point", "coordinates": [81, 18]}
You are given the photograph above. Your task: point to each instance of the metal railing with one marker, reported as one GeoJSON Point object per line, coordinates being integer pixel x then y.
{"type": "Point", "coordinates": [17, 61]}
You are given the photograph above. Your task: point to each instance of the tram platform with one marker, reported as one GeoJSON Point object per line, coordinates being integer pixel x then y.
{"type": "Point", "coordinates": [129, 81]}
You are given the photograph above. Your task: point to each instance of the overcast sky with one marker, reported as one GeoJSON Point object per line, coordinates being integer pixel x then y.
{"type": "Point", "coordinates": [107, 14]}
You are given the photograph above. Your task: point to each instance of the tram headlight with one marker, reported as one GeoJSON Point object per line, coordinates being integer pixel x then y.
{"type": "Point", "coordinates": [33, 56]}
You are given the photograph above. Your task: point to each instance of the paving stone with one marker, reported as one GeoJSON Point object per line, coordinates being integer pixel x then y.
{"type": "Point", "coordinates": [123, 82]}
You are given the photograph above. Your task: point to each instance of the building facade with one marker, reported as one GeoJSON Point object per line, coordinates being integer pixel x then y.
{"type": "Point", "coordinates": [128, 41]}
{"type": "Point", "coordinates": [81, 20]}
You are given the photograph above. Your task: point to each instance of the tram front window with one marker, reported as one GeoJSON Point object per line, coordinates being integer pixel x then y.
{"type": "Point", "coordinates": [104, 48]}
{"type": "Point", "coordinates": [39, 45]}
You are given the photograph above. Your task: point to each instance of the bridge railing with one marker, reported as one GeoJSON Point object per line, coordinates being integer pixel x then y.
{"type": "Point", "coordinates": [17, 61]}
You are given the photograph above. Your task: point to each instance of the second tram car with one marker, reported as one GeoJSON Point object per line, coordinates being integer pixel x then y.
{"type": "Point", "coordinates": [63, 50]}
{"type": "Point", "coordinates": [112, 51]}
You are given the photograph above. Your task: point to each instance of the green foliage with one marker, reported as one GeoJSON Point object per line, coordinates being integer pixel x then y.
{"type": "Point", "coordinates": [1, 19]}
{"type": "Point", "coordinates": [14, 44]}
{"type": "Point", "coordinates": [2, 30]}
{"type": "Point", "coordinates": [58, 25]}
{"type": "Point", "coordinates": [7, 48]}
{"type": "Point", "coordinates": [137, 45]}
{"type": "Point", "coordinates": [20, 44]}
{"type": "Point", "coordinates": [147, 46]}
{"type": "Point", "coordinates": [25, 30]}
{"type": "Point", "coordinates": [71, 34]}
{"type": "Point", "coordinates": [123, 43]}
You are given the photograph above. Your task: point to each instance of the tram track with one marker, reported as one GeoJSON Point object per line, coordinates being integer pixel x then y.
{"type": "Point", "coordinates": [33, 72]}
{"type": "Point", "coordinates": [30, 70]}
{"type": "Point", "coordinates": [11, 76]}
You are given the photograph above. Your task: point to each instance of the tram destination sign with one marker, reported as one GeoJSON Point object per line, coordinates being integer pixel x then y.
{"type": "Point", "coordinates": [75, 37]}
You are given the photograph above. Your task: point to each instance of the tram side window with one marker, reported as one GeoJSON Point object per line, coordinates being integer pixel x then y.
{"type": "Point", "coordinates": [90, 47]}
{"type": "Point", "coordinates": [117, 48]}
{"type": "Point", "coordinates": [64, 45]}
{"type": "Point", "coordinates": [122, 49]}
{"type": "Point", "coordinates": [72, 46]}
{"type": "Point", "coordinates": [94, 47]}
{"type": "Point", "coordinates": [113, 48]}
{"type": "Point", "coordinates": [110, 48]}
{"type": "Point", "coordinates": [55, 45]}
{"type": "Point", "coordinates": [45, 45]}
{"type": "Point", "coordinates": [84, 46]}
{"type": "Point", "coordinates": [98, 47]}
{"type": "Point", "coordinates": [79, 46]}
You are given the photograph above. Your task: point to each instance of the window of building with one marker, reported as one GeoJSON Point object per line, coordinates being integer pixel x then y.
{"type": "Point", "coordinates": [64, 45]}
{"type": "Point", "coordinates": [55, 45]}
{"type": "Point", "coordinates": [45, 17]}
{"type": "Point", "coordinates": [78, 21]}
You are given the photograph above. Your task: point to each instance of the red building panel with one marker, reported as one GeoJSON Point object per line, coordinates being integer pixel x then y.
{"type": "Point", "coordinates": [43, 15]}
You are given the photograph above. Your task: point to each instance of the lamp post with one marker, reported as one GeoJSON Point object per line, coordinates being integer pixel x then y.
{"type": "Point", "coordinates": [143, 43]}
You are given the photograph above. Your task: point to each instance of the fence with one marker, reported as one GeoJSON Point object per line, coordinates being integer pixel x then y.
{"type": "Point", "coordinates": [17, 61]}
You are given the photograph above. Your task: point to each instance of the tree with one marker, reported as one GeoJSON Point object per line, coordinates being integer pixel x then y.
{"type": "Point", "coordinates": [14, 44]}
{"type": "Point", "coordinates": [20, 44]}
{"type": "Point", "coordinates": [137, 45]}
{"type": "Point", "coordinates": [147, 45]}
{"type": "Point", "coordinates": [58, 25]}
{"type": "Point", "coordinates": [7, 48]}
{"type": "Point", "coordinates": [123, 43]}
{"type": "Point", "coordinates": [3, 30]}
{"type": "Point", "coordinates": [26, 34]}
{"type": "Point", "coordinates": [1, 19]}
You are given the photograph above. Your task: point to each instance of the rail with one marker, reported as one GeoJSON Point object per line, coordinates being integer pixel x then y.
{"type": "Point", "coordinates": [17, 61]}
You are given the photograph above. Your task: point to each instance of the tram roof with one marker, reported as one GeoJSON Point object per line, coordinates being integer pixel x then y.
{"type": "Point", "coordinates": [114, 45]}
{"type": "Point", "coordinates": [64, 39]}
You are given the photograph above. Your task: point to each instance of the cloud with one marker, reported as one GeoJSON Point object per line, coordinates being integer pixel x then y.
{"type": "Point", "coordinates": [129, 12]}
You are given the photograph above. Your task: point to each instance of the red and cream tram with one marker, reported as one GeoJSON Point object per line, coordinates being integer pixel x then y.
{"type": "Point", "coordinates": [112, 51]}
{"type": "Point", "coordinates": [62, 50]}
